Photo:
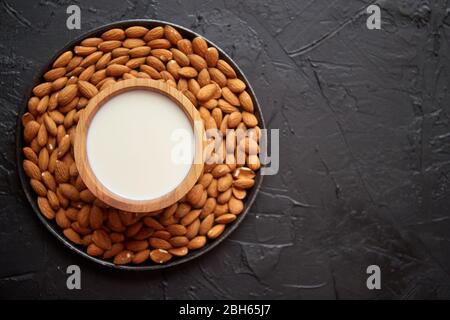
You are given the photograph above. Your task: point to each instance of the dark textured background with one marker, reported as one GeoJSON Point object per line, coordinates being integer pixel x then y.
{"type": "Point", "coordinates": [364, 118]}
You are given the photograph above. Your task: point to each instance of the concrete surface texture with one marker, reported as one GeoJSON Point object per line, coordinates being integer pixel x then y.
{"type": "Point", "coordinates": [364, 119]}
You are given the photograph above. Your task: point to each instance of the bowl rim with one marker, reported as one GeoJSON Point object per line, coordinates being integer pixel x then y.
{"type": "Point", "coordinates": [31, 196]}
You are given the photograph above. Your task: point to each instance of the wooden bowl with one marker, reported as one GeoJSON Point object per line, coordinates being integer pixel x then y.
{"type": "Point", "coordinates": [86, 172]}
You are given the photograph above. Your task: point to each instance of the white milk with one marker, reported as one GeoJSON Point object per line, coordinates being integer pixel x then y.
{"type": "Point", "coordinates": [131, 142]}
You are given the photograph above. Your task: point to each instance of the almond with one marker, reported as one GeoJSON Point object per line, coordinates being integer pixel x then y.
{"type": "Point", "coordinates": [31, 170]}
{"type": "Point", "coordinates": [138, 52]}
{"type": "Point", "coordinates": [63, 59]}
{"type": "Point", "coordinates": [226, 107]}
{"type": "Point", "coordinates": [109, 45]}
{"type": "Point", "coordinates": [38, 187]}
{"type": "Point", "coordinates": [226, 69]}
{"type": "Point", "coordinates": [87, 89]}
{"type": "Point", "coordinates": [155, 63]}
{"type": "Point", "coordinates": [236, 206]}
{"type": "Point", "coordinates": [83, 216]}
{"type": "Point", "coordinates": [54, 74]}
{"type": "Point", "coordinates": [249, 119]}
{"type": "Point", "coordinates": [206, 224]}
{"type": "Point", "coordinates": [162, 54]}
{"type": "Point", "coordinates": [48, 180]}
{"type": "Point", "coordinates": [45, 208]}
{"type": "Point", "coordinates": [208, 207]}
{"type": "Point", "coordinates": [62, 173]}
{"type": "Point", "coordinates": [190, 217]}
{"type": "Point", "coordinates": [43, 159]}
{"type": "Point", "coordinates": [144, 233]}
{"type": "Point", "coordinates": [236, 85]}
{"type": "Point", "coordinates": [103, 61]}
{"type": "Point", "coordinates": [91, 59]}
{"type": "Point", "coordinates": [131, 43]}
{"type": "Point", "coordinates": [195, 194]}
{"type": "Point", "coordinates": [192, 229]}
{"type": "Point", "coordinates": [116, 248]}
{"type": "Point", "coordinates": [230, 97]}
{"type": "Point", "coordinates": [152, 72]}
{"type": "Point", "coordinates": [141, 256]}
{"type": "Point", "coordinates": [119, 52]}
{"type": "Point", "coordinates": [136, 245]}
{"type": "Point", "coordinates": [58, 84]}
{"type": "Point", "coordinates": [179, 241]}
{"type": "Point", "coordinates": [182, 210]}
{"type": "Point", "coordinates": [179, 252]}
{"type": "Point", "coordinates": [94, 250]}
{"type": "Point", "coordinates": [67, 94]}
{"type": "Point", "coordinates": [72, 235]}
{"type": "Point", "coordinates": [42, 136]}
{"type": "Point", "coordinates": [155, 33]}
{"type": "Point", "coordinates": [162, 234]}
{"type": "Point", "coordinates": [91, 42]}
{"type": "Point", "coordinates": [64, 146]}
{"type": "Point", "coordinates": [185, 45]}
{"type": "Point", "coordinates": [84, 51]}
{"type": "Point", "coordinates": [123, 257]}
{"type": "Point", "coordinates": [69, 191]}
{"type": "Point", "coordinates": [113, 34]}
{"type": "Point", "coordinates": [50, 125]}
{"type": "Point", "coordinates": [30, 154]}
{"type": "Point", "coordinates": [95, 217]}
{"type": "Point", "coordinates": [31, 130]}
{"type": "Point", "coordinates": [187, 72]}
{"type": "Point", "coordinates": [224, 183]}
{"type": "Point", "coordinates": [218, 77]}
{"type": "Point", "coordinates": [153, 223]}
{"type": "Point", "coordinates": [207, 92]}
{"type": "Point", "coordinates": [136, 31]}
{"type": "Point", "coordinates": [176, 229]}
{"type": "Point", "coordinates": [158, 243]}
{"type": "Point", "coordinates": [197, 62]}
{"type": "Point", "coordinates": [199, 46]}
{"type": "Point", "coordinates": [117, 237]}
{"type": "Point", "coordinates": [244, 183]}
{"type": "Point", "coordinates": [180, 57]}
{"type": "Point", "coordinates": [225, 218]}
{"type": "Point", "coordinates": [215, 231]}
{"type": "Point", "coordinates": [27, 117]}
{"type": "Point", "coordinates": [197, 243]}
{"type": "Point", "coordinates": [43, 105]}
{"type": "Point", "coordinates": [116, 70]}
{"type": "Point", "coordinates": [246, 101]}
{"type": "Point", "coordinates": [234, 119]}
{"type": "Point", "coordinates": [61, 219]}
{"type": "Point", "coordinates": [159, 44]}
{"type": "Point", "coordinates": [244, 172]}
{"type": "Point", "coordinates": [211, 57]}
{"type": "Point", "coordinates": [160, 256]}
{"type": "Point", "coordinates": [101, 239]}
{"type": "Point", "coordinates": [133, 229]}
{"type": "Point", "coordinates": [172, 34]}
{"type": "Point", "coordinates": [73, 63]}
{"type": "Point", "coordinates": [220, 170]}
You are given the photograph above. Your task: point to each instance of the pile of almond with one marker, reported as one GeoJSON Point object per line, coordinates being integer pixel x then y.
{"type": "Point", "coordinates": [162, 54]}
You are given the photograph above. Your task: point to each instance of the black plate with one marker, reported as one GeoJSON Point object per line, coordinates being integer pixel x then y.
{"type": "Point", "coordinates": [56, 230]}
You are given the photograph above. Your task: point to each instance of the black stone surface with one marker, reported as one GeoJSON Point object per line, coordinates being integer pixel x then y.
{"type": "Point", "coordinates": [364, 119]}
